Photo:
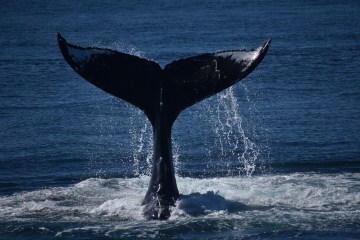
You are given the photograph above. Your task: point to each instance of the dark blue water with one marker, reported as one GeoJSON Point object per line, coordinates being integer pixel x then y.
{"type": "Point", "coordinates": [275, 157]}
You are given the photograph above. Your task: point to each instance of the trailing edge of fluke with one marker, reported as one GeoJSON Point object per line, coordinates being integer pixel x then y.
{"type": "Point", "coordinates": [162, 94]}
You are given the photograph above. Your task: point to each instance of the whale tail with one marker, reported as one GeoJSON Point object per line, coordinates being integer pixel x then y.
{"type": "Point", "coordinates": [162, 94]}
{"type": "Point", "coordinates": [140, 81]}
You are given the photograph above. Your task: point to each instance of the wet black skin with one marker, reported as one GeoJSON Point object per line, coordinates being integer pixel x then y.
{"type": "Point", "coordinates": [161, 94]}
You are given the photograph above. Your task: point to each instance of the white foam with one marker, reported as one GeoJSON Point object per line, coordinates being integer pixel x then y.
{"type": "Point", "coordinates": [295, 196]}
{"type": "Point", "coordinates": [281, 197]}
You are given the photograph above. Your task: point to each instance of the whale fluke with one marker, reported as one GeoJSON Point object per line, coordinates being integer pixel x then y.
{"type": "Point", "coordinates": [162, 94]}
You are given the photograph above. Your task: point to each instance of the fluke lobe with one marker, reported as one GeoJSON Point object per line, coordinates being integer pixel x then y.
{"type": "Point", "coordinates": [162, 94]}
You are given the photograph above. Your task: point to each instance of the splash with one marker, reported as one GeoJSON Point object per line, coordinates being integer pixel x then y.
{"type": "Point", "coordinates": [176, 154]}
{"type": "Point", "coordinates": [141, 142]}
{"type": "Point", "coordinates": [231, 134]}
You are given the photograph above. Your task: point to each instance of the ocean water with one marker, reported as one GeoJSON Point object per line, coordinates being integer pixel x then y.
{"type": "Point", "coordinates": [276, 156]}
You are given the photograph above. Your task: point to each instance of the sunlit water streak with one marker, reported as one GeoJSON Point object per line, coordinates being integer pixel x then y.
{"type": "Point", "coordinates": [231, 133]}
